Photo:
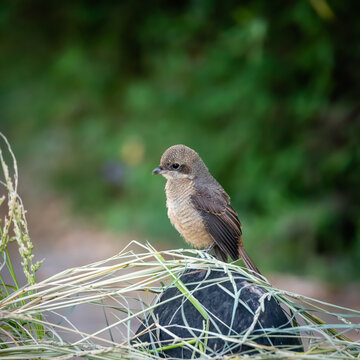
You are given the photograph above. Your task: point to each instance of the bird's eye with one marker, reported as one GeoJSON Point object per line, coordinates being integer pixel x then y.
{"type": "Point", "coordinates": [175, 166]}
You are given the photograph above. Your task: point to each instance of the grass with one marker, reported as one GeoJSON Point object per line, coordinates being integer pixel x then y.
{"type": "Point", "coordinates": [38, 320]}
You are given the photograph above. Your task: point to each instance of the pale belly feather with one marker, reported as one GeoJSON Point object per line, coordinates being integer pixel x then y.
{"type": "Point", "coordinates": [188, 222]}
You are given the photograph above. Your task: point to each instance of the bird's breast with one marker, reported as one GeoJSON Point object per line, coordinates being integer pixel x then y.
{"type": "Point", "coordinates": [185, 218]}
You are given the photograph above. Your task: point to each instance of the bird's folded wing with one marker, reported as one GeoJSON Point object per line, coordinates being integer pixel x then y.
{"type": "Point", "coordinates": [221, 221]}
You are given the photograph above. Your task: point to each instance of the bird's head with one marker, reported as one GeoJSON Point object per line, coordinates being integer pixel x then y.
{"type": "Point", "coordinates": [179, 162]}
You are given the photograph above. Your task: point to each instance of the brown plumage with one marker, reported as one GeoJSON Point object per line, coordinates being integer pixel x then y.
{"type": "Point", "coordinates": [199, 207]}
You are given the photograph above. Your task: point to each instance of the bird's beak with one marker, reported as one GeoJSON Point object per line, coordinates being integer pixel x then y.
{"type": "Point", "coordinates": [158, 170]}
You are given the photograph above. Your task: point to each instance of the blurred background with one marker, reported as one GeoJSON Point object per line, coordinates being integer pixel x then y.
{"type": "Point", "coordinates": [93, 92]}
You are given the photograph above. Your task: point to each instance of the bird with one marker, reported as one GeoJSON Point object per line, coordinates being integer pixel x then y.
{"type": "Point", "coordinates": [199, 208]}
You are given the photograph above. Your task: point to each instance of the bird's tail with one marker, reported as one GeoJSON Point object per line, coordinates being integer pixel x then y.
{"type": "Point", "coordinates": [247, 261]}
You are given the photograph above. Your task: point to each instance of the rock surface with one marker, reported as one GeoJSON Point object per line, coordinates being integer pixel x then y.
{"type": "Point", "coordinates": [232, 305]}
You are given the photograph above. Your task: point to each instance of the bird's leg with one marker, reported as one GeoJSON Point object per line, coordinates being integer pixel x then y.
{"type": "Point", "coordinates": [209, 248]}
{"type": "Point", "coordinates": [215, 251]}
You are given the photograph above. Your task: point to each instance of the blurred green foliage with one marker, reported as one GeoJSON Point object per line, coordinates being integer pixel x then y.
{"type": "Point", "coordinates": [92, 93]}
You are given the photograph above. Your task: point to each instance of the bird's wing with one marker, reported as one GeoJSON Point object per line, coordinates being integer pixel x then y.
{"type": "Point", "coordinates": [220, 219]}
{"type": "Point", "coordinates": [222, 223]}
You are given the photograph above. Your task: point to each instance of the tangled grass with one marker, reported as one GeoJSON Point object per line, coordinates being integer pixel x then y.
{"type": "Point", "coordinates": [36, 320]}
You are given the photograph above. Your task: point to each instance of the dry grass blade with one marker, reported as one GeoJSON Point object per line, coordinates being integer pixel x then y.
{"type": "Point", "coordinates": [118, 282]}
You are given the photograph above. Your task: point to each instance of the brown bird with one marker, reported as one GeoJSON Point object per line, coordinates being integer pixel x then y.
{"type": "Point", "coordinates": [199, 207]}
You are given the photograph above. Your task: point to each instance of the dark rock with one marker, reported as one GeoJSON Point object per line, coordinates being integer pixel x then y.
{"type": "Point", "coordinates": [232, 306]}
